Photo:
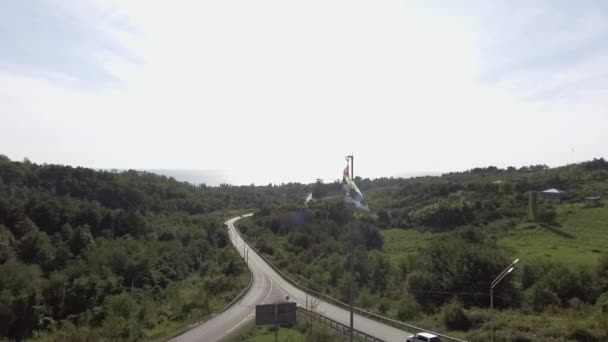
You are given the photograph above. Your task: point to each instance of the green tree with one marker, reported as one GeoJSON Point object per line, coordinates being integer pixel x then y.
{"type": "Point", "coordinates": [319, 190]}
{"type": "Point", "coordinates": [454, 316]}
{"type": "Point", "coordinates": [54, 293]}
{"type": "Point", "coordinates": [121, 322]}
{"type": "Point", "coordinates": [384, 219]}
{"type": "Point", "coordinates": [19, 294]}
{"type": "Point", "coordinates": [23, 227]}
{"type": "Point", "coordinates": [35, 247]}
{"type": "Point", "coordinates": [7, 244]}
{"type": "Point", "coordinates": [81, 240]}
{"type": "Point", "coordinates": [505, 187]}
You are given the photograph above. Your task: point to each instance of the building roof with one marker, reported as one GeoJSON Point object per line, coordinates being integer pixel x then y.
{"type": "Point", "coordinates": [554, 191]}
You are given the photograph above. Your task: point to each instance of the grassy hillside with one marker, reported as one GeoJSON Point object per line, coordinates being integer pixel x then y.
{"type": "Point", "coordinates": [401, 243]}
{"type": "Point", "coordinates": [579, 237]}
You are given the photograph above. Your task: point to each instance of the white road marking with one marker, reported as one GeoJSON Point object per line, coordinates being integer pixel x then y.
{"type": "Point", "coordinates": [280, 289]}
{"type": "Point", "coordinates": [253, 313]}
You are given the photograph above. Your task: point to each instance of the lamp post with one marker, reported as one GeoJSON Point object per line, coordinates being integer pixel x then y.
{"type": "Point", "coordinates": [503, 274]}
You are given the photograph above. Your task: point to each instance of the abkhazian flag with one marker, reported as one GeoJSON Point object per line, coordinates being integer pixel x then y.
{"type": "Point", "coordinates": [353, 195]}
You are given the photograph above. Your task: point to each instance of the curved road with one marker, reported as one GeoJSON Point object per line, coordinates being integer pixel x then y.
{"type": "Point", "coordinates": [270, 287]}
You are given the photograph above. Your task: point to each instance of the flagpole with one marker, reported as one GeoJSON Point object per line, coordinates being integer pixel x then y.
{"type": "Point", "coordinates": [352, 258]}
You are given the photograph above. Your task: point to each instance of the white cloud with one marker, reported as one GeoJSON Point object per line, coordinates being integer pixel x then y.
{"type": "Point", "coordinates": [279, 91]}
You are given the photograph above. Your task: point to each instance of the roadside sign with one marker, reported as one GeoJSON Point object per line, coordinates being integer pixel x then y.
{"type": "Point", "coordinates": [271, 314]}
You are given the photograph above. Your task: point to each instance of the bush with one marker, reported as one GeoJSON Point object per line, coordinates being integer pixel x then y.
{"type": "Point", "coordinates": [265, 247]}
{"type": "Point", "coordinates": [408, 309]}
{"type": "Point", "coordinates": [547, 214]}
{"type": "Point", "coordinates": [602, 271]}
{"type": "Point", "coordinates": [583, 331]}
{"type": "Point", "coordinates": [443, 214]}
{"type": "Point", "coordinates": [454, 317]}
{"type": "Point", "coordinates": [540, 297]}
{"type": "Point", "coordinates": [602, 303]}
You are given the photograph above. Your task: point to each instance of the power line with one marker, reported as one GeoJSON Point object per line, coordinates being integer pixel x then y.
{"type": "Point", "coordinates": [452, 293]}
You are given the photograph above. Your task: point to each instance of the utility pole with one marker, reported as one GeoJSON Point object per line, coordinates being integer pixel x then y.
{"type": "Point", "coordinates": [351, 261]}
{"type": "Point", "coordinates": [276, 323]}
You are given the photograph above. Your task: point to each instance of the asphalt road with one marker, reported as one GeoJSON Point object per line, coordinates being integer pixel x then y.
{"type": "Point", "coordinates": [269, 287]}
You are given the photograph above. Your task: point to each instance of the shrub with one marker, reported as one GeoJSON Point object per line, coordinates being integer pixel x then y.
{"type": "Point", "coordinates": [408, 309]}
{"type": "Point", "coordinates": [454, 317]}
{"type": "Point", "coordinates": [540, 297]}
{"type": "Point", "coordinates": [602, 302]}
{"type": "Point", "coordinates": [443, 214]}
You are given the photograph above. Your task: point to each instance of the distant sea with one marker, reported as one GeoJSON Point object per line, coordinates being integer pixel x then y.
{"type": "Point", "coordinates": [217, 177]}
{"type": "Point", "coordinates": [195, 177]}
{"type": "Point", "coordinates": [418, 174]}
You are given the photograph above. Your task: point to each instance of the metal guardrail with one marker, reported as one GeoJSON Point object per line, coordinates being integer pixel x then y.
{"type": "Point", "coordinates": [340, 327]}
{"type": "Point", "coordinates": [389, 321]}
{"type": "Point", "coordinates": [212, 315]}
{"type": "Point", "coordinates": [240, 295]}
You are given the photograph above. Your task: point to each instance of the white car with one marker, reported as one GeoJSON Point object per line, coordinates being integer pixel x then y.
{"type": "Point", "coordinates": [423, 337]}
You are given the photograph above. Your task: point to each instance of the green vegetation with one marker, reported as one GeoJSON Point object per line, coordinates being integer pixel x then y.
{"type": "Point", "coordinates": [102, 255]}
{"type": "Point", "coordinates": [88, 255]}
{"type": "Point", "coordinates": [299, 333]}
{"type": "Point", "coordinates": [579, 238]}
{"type": "Point", "coordinates": [450, 236]}
{"type": "Point", "coordinates": [404, 242]}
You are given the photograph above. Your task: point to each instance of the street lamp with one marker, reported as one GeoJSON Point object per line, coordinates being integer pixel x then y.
{"type": "Point", "coordinates": [503, 274]}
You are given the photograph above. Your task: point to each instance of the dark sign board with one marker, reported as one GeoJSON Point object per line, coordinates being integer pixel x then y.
{"type": "Point", "coordinates": [270, 314]}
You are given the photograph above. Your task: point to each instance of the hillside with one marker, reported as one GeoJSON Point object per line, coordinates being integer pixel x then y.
{"type": "Point", "coordinates": [88, 255]}
{"type": "Point", "coordinates": [133, 255]}
{"type": "Point", "coordinates": [432, 245]}
{"type": "Point", "coordinates": [579, 236]}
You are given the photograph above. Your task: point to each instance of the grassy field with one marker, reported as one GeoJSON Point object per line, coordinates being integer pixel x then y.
{"type": "Point", "coordinates": [399, 243]}
{"type": "Point", "coordinates": [580, 236]}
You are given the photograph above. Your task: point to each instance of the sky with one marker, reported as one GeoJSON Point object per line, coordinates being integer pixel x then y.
{"type": "Point", "coordinates": [277, 91]}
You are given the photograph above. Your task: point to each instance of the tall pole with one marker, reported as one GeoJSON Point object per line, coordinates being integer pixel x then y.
{"type": "Point", "coordinates": [276, 323]}
{"type": "Point", "coordinates": [351, 261]}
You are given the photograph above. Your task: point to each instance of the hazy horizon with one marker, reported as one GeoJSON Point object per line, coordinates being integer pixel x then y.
{"type": "Point", "coordinates": [214, 177]}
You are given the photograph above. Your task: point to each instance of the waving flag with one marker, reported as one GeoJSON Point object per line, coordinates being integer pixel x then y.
{"type": "Point", "coordinates": [353, 195]}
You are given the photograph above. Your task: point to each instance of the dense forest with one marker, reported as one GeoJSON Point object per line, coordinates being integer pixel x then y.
{"type": "Point", "coordinates": [443, 282]}
{"type": "Point", "coordinates": [88, 254]}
